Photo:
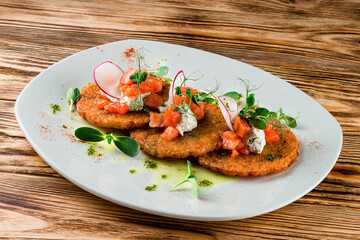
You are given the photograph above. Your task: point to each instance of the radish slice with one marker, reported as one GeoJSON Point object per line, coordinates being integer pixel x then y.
{"type": "Point", "coordinates": [107, 76]}
{"type": "Point", "coordinates": [228, 107]}
{"type": "Point", "coordinates": [179, 78]}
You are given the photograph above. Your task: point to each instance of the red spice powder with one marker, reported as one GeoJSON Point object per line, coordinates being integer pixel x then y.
{"type": "Point", "coordinates": [129, 53]}
{"type": "Point", "coordinates": [46, 133]}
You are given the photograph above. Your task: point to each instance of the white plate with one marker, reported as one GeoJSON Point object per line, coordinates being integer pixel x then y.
{"type": "Point", "coordinates": [319, 134]}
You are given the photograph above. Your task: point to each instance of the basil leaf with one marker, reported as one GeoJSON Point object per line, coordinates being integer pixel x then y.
{"type": "Point", "coordinates": [250, 101]}
{"type": "Point", "coordinates": [260, 112]}
{"type": "Point", "coordinates": [260, 124]}
{"type": "Point", "coordinates": [290, 122]}
{"type": "Point", "coordinates": [127, 145]}
{"type": "Point", "coordinates": [143, 76]}
{"type": "Point", "coordinates": [89, 134]}
{"type": "Point", "coordinates": [234, 95]}
{"type": "Point", "coordinates": [162, 71]}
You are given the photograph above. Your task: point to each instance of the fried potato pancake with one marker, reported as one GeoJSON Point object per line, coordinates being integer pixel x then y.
{"type": "Point", "coordinates": [286, 153]}
{"type": "Point", "coordinates": [87, 108]}
{"type": "Point", "coordinates": [199, 141]}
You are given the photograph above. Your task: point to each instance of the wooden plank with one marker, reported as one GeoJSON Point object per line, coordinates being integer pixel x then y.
{"type": "Point", "coordinates": [313, 44]}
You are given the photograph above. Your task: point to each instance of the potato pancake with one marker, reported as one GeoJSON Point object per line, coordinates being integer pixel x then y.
{"type": "Point", "coordinates": [274, 158]}
{"type": "Point", "coordinates": [199, 141]}
{"type": "Point", "coordinates": [87, 108]}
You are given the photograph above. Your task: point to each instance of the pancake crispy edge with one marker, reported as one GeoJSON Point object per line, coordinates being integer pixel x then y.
{"type": "Point", "coordinates": [203, 138]}
{"type": "Point", "coordinates": [87, 108]}
{"type": "Point", "coordinates": [286, 152]}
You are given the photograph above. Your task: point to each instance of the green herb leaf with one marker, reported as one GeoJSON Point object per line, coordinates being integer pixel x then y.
{"type": "Point", "coordinates": [168, 80]}
{"type": "Point", "coordinates": [211, 100]}
{"type": "Point", "coordinates": [290, 122]}
{"type": "Point", "coordinates": [151, 188]}
{"type": "Point", "coordinates": [270, 157]}
{"type": "Point", "coordinates": [72, 96]}
{"type": "Point", "coordinates": [250, 101]}
{"type": "Point", "coordinates": [193, 99]}
{"type": "Point", "coordinates": [189, 178]}
{"type": "Point", "coordinates": [260, 112]}
{"type": "Point", "coordinates": [55, 108]}
{"type": "Point", "coordinates": [260, 124]}
{"type": "Point", "coordinates": [234, 95]}
{"type": "Point", "coordinates": [177, 90]}
{"type": "Point", "coordinates": [188, 92]}
{"type": "Point", "coordinates": [143, 76]}
{"type": "Point", "coordinates": [134, 78]}
{"type": "Point", "coordinates": [162, 71]}
{"type": "Point", "coordinates": [89, 134]}
{"type": "Point", "coordinates": [127, 145]}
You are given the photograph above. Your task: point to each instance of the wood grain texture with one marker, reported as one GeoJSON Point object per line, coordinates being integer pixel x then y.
{"type": "Point", "coordinates": [314, 44]}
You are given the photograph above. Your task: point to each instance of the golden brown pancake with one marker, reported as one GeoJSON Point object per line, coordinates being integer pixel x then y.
{"type": "Point", "coordinates": [285, 151]}
{"type": "Point", "coordinates": [87, 108]}
{"type": "Point", "coordinates": [201, 140]}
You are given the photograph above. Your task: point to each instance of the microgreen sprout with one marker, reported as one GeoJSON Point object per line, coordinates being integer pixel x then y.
{"type": "Point", "coordinates": [259, 117]}
{"type": "Point", "coordinates": [125, 144]}
{"type": "Point", "coordinates": [160, 72]}
{"type": "Point", "coordinates": [189, 178]}
{"type": "Point", "coordinates": [72, 96]}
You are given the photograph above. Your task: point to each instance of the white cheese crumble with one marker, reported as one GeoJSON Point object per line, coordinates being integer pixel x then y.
{"type": "Point", "coordinates": [256, 140]}
{"type": "Point", "coordinates": [187, 122]}
{"type": "Point", "coordinates": [164, 106]}
{"type": "Point", "coordinates": [134, 103]}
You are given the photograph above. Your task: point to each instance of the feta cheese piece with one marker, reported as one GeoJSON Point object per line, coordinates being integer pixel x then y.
{"type": "Point", "coordinates": [256, 140]}
{"type": "Point", "coordinates": [164, 106]}
{"type": "Point", "coordinates": [187, 122]}
{"type": "Point", "coordinates": [134, 103]}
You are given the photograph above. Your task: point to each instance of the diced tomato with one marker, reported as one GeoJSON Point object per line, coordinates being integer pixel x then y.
{"type": "Point", "coordinates": [157, 120]}
{"type": "Point", "coordinates": [178, 100]}
{"type": "Point", "coordinates": [193, 91]}
{"type": "Point", "coordinates": [103, 95]}
{"type": "Point", "coordinates": [125, 78]}
{"type": "Point", "coordinates": [245, 151]}
{"type": "Point", "coordinates": [101, 103]}
{"type": "Point", "coordinates": [271, 136]}
{"type": "Point", "coordinates": [172, 118]}
{"type": "Point", "coordinates": [157, 85]}
{"type": "Point", "coordinates": [234, 153]}
{"type": "Point", "coordinates": [153, 101]}
{"type": "Point", "coordinates": [117, 107]}
{"type": "Point", "coordinates": [146, 87]}
{"type": "Point", "coordinates": [242, 128]}
{"type": "Point", "coordinates": [170, 133]}
{"type": "Point", "coordinates": [130, 90]}
{"type": "Point", "coordinates": [198, 111]}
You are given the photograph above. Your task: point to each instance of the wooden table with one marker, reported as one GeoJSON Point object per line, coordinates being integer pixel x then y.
{"type": "Point", "coordinates": [314, 44]}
